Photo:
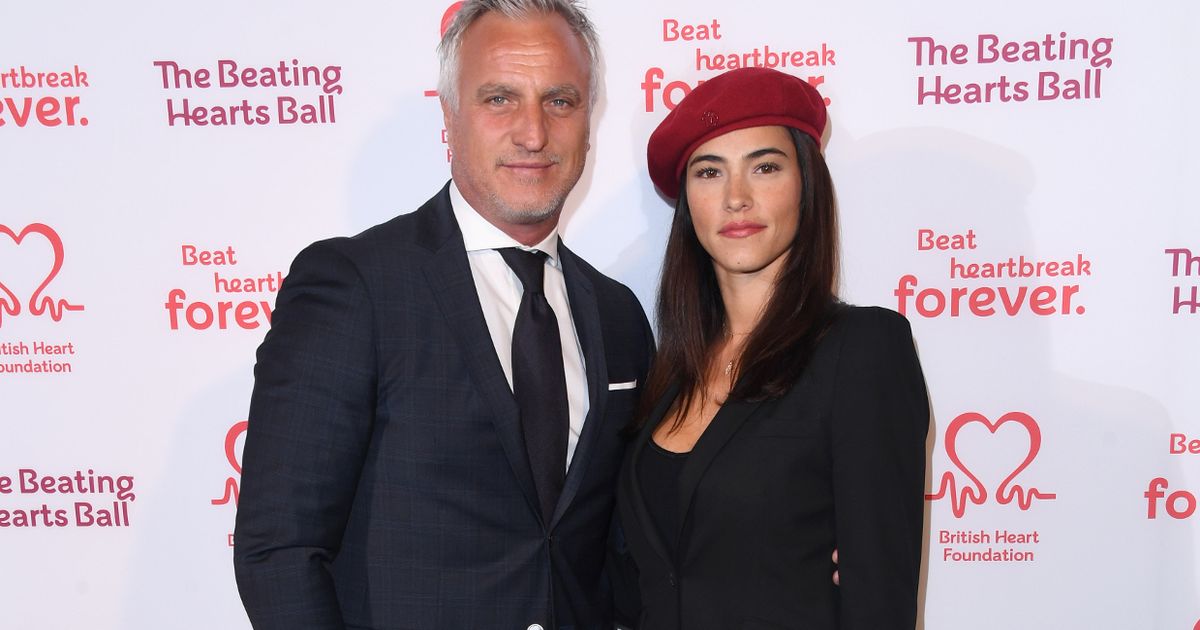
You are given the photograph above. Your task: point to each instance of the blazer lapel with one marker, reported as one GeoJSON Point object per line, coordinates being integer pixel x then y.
{"type": "Point", "coordinates": [585, 312]}
{"type": "Point", "coordinates": [645, 523]}
{"type": "Point", "coordinates": [730, 417]}
{"type": "Point", "coordinates": [450, 279]}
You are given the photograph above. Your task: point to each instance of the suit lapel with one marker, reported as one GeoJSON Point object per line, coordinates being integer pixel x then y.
{"type": "Point", "coordinates": [585, 312]}
{"type": "Point", "coordinates": [453, 287]}
{"type": "Point", "coordinates": [730, 417]}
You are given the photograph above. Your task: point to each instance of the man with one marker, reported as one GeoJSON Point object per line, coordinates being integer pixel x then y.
{"type": "Point", "coordinates": [424, 449]}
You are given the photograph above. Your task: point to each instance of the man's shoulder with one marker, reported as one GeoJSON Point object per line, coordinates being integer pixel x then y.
{"type": "Point", "coordinates": [604, 285]}
{"type": "Point", "coordinates": [423, 230]}
{"type": "Point", "coordinates": [427, 227]}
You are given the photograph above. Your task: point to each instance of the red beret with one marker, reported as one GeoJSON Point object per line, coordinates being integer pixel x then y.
{"type": "Point", "coordinates": [738, 99]}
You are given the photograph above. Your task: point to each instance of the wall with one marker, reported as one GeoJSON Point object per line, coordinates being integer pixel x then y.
{"type": "Point", "coordinates": [1017, 178]}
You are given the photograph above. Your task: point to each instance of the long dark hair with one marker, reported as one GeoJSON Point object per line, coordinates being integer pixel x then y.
{"type": "Point", "coordinates": [691, 316]}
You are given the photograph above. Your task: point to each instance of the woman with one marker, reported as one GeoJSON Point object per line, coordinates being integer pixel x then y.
{"type": "Point", "coordinates": [779, 424]}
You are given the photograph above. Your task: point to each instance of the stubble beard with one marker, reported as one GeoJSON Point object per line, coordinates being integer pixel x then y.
{"type": "Point", "coordinates": [530, 213]}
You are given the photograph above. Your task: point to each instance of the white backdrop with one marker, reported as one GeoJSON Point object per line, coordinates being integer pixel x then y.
{"type": "Point", "coordinates": [1063, 472]}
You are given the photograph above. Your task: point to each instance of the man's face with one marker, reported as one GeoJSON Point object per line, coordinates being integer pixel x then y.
{"type": "Point", "coordinates": [519, 134]}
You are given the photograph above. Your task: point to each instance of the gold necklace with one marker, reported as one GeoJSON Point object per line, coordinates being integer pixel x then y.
{"type": "Point", "coordinates": [729, 337]}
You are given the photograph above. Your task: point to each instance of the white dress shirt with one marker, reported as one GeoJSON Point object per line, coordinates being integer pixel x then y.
{"type": "Point", "coordinates": [500, 293]}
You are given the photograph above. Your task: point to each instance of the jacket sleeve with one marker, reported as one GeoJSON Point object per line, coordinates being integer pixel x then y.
{"type": "Point", "coordinates": [310, 421]}
{"type": "Point", "coordinates": [879, 426]}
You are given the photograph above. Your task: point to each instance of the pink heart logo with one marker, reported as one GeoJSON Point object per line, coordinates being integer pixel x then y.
{"type": "Point", "coordinates": [977, 492]}
{"type": "Point", "coordinates": [231, 439]}
{"type": "Point", "coordinates": [37, 303]}
{"type": "Point", "coordinates": [231, 454]}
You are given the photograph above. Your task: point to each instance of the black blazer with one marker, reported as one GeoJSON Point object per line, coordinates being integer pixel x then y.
{"type": "Point", "coordinates": [385, 482]}
{"type": "Point", "coordinates": [771, 488]}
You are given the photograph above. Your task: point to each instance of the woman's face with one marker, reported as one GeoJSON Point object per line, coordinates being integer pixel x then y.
{"type": "Point", "coordinates": [743, 189]}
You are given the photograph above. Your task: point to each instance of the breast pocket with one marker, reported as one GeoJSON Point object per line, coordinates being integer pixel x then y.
{"type": "Point", "coordinates": [620, 403]}
{"type": "Point", "coordinates": [621, 386]}
{"type": "Point", "coordinates": [622, 400]}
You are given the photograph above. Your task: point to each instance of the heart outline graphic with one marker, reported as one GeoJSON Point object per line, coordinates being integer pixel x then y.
{"type": "Point", "coordinates": [231, 484]}
{"type": "Point", "coordinates": [37, 304]}
{"type": "Point", "coordinates": [231, 437]}
{"type": "Point", "coordinates": [977, 493]}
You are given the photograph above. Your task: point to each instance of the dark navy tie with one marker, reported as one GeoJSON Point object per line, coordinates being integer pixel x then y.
{"type": "Point", "coordinates": [539, 383]}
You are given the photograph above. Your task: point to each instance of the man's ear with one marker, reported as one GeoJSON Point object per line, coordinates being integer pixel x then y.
{"type": "Point", "coordinates": [447, 114]}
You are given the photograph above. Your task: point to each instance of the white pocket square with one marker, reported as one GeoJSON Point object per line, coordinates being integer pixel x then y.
{"type": "Point", "coordinates": [616, 387]}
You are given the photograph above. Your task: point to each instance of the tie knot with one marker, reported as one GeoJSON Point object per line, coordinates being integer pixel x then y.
{"type": "Point", "coordinates": [530, 266]}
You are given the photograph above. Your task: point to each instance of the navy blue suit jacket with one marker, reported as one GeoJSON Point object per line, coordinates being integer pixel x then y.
{"type": "Point", "coordinates": [385, 480]}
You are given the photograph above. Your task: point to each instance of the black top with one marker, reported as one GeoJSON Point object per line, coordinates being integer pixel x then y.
{"type": "Point", "coordinates": [658, 472]}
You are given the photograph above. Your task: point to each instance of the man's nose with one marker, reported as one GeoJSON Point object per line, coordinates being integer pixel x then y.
{"type": "Point", "coordinates": [530, 132]}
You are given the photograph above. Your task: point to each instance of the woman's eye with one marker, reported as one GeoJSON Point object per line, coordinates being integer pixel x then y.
{"type": "Point", "coordinates": [707, 172]}
{"type": "Point", "coordinates": [769, 167]}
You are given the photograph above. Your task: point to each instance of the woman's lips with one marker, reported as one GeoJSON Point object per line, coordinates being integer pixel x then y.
{"type": "Point", "coordinates": [741, 229]}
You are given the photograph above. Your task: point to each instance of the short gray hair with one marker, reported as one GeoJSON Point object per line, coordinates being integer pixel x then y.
{"type": "Point", "coordinates": [471, 10]}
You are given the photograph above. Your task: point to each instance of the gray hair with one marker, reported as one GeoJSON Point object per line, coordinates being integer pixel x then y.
{"type": "Point", "coordinates": [570, 10]}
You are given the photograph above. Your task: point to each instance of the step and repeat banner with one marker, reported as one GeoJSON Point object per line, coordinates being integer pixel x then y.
{"type": "Point", "coordinates": [1018, 179]}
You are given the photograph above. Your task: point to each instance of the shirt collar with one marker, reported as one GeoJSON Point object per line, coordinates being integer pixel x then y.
{"type": "Point", "coordinates": [478, 234]}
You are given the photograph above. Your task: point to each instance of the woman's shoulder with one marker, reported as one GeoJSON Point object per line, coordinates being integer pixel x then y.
{"type": "Point", "coordinates": [869, 320]}
{"type": "Point", "coordinates": [868, 331]}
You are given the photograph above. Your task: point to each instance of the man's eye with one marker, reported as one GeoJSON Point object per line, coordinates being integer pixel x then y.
{"type": "Point", "coordinates": [561, 102]}
{"type": "Point", "coordinates": [497, 100]}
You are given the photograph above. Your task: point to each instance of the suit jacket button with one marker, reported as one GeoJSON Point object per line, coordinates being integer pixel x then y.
{"type": "Point", "coordinates": [535, 626]}
{"type": "Point", "coordinates": [671, 579]}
